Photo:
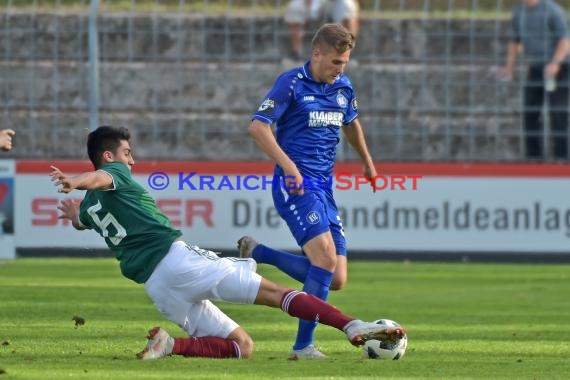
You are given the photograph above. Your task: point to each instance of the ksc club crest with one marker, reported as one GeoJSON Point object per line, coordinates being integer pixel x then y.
{"type": "Point", "coordinates": [313, 217]}
{"type": "Point", "coordinates": [341, 100]}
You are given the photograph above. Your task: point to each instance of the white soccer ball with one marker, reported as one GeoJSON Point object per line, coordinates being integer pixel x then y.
{"type": "Point", "coordinates": [377, 349]}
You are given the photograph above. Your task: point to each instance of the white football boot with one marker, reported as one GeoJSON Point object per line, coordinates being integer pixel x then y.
{"type": "Point", "coordinates": [159, 345]}
{"type": "Point", "coordinates": [358, 332]}
{"type": "Point", "coordinates": [309, 352]}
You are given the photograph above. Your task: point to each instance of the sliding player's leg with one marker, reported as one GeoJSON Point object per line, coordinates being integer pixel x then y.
{"type": "Point", "coordinates": [212, 335]}
{"type": "Point", "coordinates": [181, 287]}
{"type": "Point", "coordinates": [308, 307]}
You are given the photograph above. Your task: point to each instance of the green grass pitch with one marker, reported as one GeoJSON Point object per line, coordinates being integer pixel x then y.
{"type": "Point", "coordinates": [464, 321]}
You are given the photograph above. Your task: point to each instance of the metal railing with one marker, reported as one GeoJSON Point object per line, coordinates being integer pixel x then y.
{"type": "Point", "coordinates": [185, 76]}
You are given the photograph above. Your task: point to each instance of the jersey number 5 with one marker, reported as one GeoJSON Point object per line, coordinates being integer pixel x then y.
{"type": "Point", "coordinates": [103, 224]}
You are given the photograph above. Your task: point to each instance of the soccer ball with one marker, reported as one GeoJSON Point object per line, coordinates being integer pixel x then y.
{"type": "Point", "coordinates": [377, 349]}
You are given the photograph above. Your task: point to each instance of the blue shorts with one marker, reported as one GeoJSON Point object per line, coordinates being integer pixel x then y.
{"type": "Point", "coordinates": [309, 215]}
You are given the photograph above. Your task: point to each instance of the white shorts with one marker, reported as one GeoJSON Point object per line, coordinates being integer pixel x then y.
{"type": "Point", "coordinates": [188, 277]}
{"type": "Point", "coordinates": [336, 10]}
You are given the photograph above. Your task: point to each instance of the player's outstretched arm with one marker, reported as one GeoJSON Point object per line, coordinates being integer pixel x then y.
{"type": "Point", "coordinates": [95, 180]}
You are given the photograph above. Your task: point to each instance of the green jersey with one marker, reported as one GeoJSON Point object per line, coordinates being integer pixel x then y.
{"type": "Point", "coordinates": [133, 226]}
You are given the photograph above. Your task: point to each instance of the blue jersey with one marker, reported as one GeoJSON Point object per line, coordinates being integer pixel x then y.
{"type": "Point", "coordinates": [308, 116]}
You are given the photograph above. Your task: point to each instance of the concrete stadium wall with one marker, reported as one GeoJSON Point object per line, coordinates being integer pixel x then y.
{"type": "Point", "coordinates": [187, 85]}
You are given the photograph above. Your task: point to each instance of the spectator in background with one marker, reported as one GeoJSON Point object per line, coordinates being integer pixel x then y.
{"type": "Point", "coordinates": [540, 31]}
{"type": "Point", "coordinates": [6, 139]}
{"type": "Point", "coordinates": [299, 12]}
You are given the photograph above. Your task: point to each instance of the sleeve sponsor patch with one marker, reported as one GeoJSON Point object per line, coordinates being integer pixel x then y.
{"type": "Point", "coordinates": [267, 107]}
{"type": "Point", "coordinates": [355, 104]}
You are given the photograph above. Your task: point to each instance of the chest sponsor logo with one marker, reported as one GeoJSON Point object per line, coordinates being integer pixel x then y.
{"type": "Point", "coordinates": [325, 118]}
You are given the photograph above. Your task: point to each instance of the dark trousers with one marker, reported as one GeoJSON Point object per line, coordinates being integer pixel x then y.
{"type": "Point", "coordinates": [534, 96]}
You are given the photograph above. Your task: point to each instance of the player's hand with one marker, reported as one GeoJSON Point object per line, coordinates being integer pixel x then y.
{"type": "Point", "coordinates": [6, 139]}
{"type": "Point", "coordinates": [69, 209]}
{"type": "Point", "coordinates": [294, 183]}
{"type": "Point", "coordinates": [60, 179]}
{"type": "Point", "coordinates": [370, 173]}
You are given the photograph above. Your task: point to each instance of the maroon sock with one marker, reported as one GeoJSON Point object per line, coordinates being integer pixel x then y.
{"type": "Point", "coordinates": [309, 307]}
{"type": "Point", "coordinates": [207, 347]}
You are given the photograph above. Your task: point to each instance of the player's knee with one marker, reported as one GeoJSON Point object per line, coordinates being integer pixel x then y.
{"type": "Point", "coordinates": [270, 294]}
{"type": "Point", "coordinates": [325, 259]}
{"type": "Point", "coordinates": [329, 261]}
{"type": "Point", "coordinates": [338, 284]}
{"type": "Point", "coordinates": [240, 337]}
{"type": "Point", "coordinates": [246, 347]}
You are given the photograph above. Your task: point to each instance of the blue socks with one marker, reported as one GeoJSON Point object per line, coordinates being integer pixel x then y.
{"type": "Point", "coordinates": [295, 266]}
{"type": "Point", "coordinates": [317, 283]}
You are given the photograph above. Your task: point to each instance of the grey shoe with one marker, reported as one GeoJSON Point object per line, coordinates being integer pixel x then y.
{"type": "Point", "coordinates": [358, 332]}
{"type": "Point", "coordinates": [246, 245]}
{"type": "Point", "coordinates": [309, 352]}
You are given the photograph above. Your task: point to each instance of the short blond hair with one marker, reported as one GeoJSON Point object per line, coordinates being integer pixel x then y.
{"type": "Point", "coordinates": [335, 36]}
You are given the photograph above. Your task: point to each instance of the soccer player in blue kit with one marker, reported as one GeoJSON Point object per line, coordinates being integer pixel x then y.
{"type": "Point", "coordinates": [309, 105]}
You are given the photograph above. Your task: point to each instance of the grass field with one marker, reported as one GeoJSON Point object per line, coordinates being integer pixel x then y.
{"type": "Point", "coordinates": [464, 321]}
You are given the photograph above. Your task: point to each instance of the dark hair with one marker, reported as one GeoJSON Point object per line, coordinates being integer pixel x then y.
{"type": "Point", "coordinates": [105, 138]}
{"type": "Point", "coordinates": [335, 36]}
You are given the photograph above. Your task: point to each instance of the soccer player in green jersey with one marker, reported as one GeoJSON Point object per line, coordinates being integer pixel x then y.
{"type": "Point", "coordinates": [181, 279]}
